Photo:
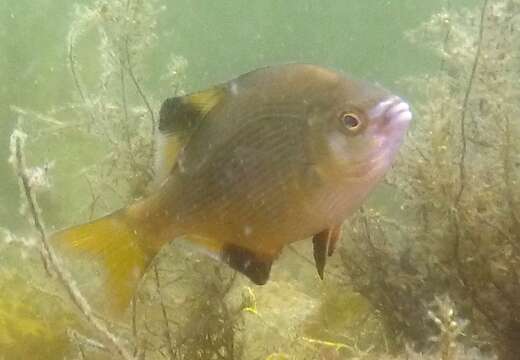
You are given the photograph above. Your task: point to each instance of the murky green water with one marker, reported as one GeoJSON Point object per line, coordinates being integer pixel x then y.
{"type": "Point", "coordinates": [219, 41]}
{"type": "Point", "coordinates": [436, 245]}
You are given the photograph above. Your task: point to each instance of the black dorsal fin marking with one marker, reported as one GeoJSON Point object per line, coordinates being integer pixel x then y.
{"type": "Point", "coordinates": [179, 118]}
{"type": "Point", "coordinates": [182, 113]}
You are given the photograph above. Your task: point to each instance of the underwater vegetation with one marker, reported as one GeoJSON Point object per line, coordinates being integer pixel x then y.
{"type": "Point", "coordinates": [459, 182]}
{"type": "Point", "coordinates": [433, 275]}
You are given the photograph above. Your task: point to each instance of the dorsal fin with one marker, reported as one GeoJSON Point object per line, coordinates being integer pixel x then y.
{"type": "Point", "coordinates": [179, 118]}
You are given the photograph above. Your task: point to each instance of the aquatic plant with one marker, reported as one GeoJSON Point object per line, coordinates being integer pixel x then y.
{"type": "Point", "coordinates": [439, 281]}
{"type": "Point", "coordinates": [458, 230]}
{"type": "Point", "coordinates": [116, 107]}
{"type": "Point", "coordinates": [51, 262]}
{"type": "Point", "coordinates": [115, 116]}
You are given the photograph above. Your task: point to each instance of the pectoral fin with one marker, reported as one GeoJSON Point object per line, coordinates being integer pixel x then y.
{"type": "Point", "coordinates": [324, 244]}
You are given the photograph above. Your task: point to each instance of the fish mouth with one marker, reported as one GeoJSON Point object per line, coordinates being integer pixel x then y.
{"type": "Point", "coordinates": [393, 109]}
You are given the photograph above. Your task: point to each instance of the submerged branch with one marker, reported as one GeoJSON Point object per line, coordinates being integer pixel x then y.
{"type": "Point", "coordinates": [459, 266]}
{"type": "Point", "coordinates": [72, 290]}
{"type": "Point", "coordinates": [126, 125]}
{"type": "Point", "coordinates": [462, 160]}
{"type": "Point", "coordinates": [458, 232]}
{"type": "Point", "coordinates": [140, 91]}
{"type": "Point", "coordinates": [75, 77]}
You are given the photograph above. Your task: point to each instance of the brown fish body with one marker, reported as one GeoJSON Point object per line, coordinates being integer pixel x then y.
{"type": "Point", "coordinates": [275, 156]}
{"type": "Point", "coordinates": [260, 174]}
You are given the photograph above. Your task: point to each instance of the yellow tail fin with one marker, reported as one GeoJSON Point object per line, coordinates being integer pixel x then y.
{"type": "Point", "coordinates": [121, 245]}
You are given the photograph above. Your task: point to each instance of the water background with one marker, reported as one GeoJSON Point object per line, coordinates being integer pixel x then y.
{"type": "Point", "coordinates": [219, 40]}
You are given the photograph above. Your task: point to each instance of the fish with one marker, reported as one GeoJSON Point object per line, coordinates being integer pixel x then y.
{"type": "Point", "coordinates": [244, 168]}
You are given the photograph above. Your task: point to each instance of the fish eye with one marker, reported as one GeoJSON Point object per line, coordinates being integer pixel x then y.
{"type": "Point", "coordinates": [351, 121]}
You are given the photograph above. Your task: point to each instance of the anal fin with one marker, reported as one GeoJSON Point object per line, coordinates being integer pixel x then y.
{"type": "Point", "coordinates": [324, 243]}
{"type": "Point", "coordinates": [255, 267]}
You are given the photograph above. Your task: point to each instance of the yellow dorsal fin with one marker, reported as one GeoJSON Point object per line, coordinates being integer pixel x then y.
{"type": "Point", "coordinates": [179, 118]}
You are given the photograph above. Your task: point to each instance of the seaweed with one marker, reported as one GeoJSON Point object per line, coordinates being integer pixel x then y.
{"type": "Point", "coordinates": [458, 230]}
{"type": "Point", "coordinates": [431, 275]}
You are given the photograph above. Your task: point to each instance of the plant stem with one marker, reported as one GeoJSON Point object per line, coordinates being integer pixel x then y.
{"type": "Point", "coordinates": [462, 160]}
{"type": "Point", "coordinates": [74, 293]}
{"type": "Point", "coordinates": [138, 87]}
{"type": "Point", "coordinates": [75, 78]}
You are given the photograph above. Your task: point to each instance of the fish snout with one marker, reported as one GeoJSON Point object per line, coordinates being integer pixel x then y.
{"type": "Point", "coordinates": [392, 111]}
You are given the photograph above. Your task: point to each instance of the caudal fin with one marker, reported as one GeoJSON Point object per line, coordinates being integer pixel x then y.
{"type": "Point", "coordinates": [120, 244]}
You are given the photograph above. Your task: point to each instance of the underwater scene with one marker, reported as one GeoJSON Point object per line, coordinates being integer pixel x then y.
{"type": "Point", "coordinates": [260, 180]}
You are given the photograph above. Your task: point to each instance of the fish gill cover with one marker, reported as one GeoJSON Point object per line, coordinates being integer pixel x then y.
{"type": "Point", "coordinates": [431, 274]}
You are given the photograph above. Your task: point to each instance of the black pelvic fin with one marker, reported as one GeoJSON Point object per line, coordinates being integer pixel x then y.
{"type": "Point", "coordinates": [324, 244]}
{"type": "Point", "coordinates": [320, 243]}
{"type": "Point", "coordinates": [248, 263]}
